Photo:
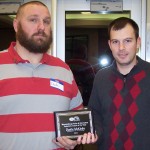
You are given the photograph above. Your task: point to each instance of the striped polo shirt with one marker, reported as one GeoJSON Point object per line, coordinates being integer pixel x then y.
{"type": "Point", "coordinates": [29, 94]}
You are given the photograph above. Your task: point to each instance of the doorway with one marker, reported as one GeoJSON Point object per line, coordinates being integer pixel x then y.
{"type": "Point", "coordinates": [7, 31]}
{"type": "Point", "coordinates": [86, 46]}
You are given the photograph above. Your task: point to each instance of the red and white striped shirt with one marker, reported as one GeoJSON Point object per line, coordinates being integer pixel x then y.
{"type": "Point", "coordinates": [29, 94]}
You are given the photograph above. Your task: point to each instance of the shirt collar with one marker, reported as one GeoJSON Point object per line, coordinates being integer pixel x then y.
{"type": "Point", "coordinates": [17, 59]}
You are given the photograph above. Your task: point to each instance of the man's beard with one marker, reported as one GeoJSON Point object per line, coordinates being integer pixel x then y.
{"type": "Point", "coordinates": [32, 45]}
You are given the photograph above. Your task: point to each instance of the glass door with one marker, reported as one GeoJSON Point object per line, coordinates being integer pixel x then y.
{"type": "Point", "coordinates": [86, 46]}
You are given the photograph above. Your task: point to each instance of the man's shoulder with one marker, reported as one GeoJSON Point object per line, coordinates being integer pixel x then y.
{"type": "Point", "coordinates": [104, 73]}
{"type": "Point", "coordinates": [4, 54]}
{"type": "Point", "coordinates": [55, 61]}
{"type": "Point", "coordinates": [105, 70]}
{"type": "Point", "coordinates": [143, 64]}
{"type": "Point", "coordinates": [3, 51]}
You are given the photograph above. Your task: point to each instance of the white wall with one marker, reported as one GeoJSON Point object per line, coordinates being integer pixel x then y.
{"type": "Point", "coordinates": [148, 11]}
{"type": "Point", "coordinates": [148, 32]}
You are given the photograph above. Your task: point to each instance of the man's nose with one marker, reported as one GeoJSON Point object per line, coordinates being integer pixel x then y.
{"type": "Point", "coordinates": [121, 45]}
{"type": "Point", "coordinates": [41, 25]}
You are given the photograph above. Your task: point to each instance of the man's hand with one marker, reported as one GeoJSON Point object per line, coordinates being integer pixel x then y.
{"type": "Point", "coordinates": [65, 142]}
{"type": "Point", "coordinates": [87, 138]}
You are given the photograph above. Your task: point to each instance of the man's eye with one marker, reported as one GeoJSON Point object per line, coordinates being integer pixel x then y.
{"type": "Point", "coordinates": [33, 20]}
{"type": "Point", "coordinates": [47, 22]}
{"type": "Point", "coordinates": [114, 42]}
{"type": "Point", "coordinates": [127, 41]}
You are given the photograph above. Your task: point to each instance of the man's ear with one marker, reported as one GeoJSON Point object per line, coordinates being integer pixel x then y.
{"type": "Point", "coordinates": [15, 25]}
{"type": "Point", "coordinates": [109, 44]}
{"type": "Point", "coordinates": [138, 43]}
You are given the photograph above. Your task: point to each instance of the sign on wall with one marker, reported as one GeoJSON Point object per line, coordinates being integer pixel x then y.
{"type": "Point", "coordinates": [9, 6]}
{"type": "Point", "coordinates": [106, 5]}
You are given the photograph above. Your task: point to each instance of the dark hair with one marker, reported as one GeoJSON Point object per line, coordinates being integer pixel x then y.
{"type": "Point", "coordinates": [28, 3]}
{"type": "Point", "coordinates": [120, 23]}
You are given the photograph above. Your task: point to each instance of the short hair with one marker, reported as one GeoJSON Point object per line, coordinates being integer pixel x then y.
{"type": "Point", "coordinates": [28, 3]}
{"type": "Point", "coordinates": [120, 23]}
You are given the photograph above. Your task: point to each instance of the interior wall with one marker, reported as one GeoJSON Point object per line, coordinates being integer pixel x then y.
{"type": "Point", "coordinates": [148, 11]}
{"type": "Point", "coordinates": [148, 32]}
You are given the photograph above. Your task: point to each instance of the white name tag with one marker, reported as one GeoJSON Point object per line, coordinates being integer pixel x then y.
{"type": "Point", "coordinates": [56, 84]}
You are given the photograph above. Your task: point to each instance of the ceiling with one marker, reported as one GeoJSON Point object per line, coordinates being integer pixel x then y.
{"type": "Point", "coordinates": [92, 20]}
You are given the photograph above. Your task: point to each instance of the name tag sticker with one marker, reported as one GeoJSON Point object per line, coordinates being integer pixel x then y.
{"type": "Point", "coordinates": [56, 84]}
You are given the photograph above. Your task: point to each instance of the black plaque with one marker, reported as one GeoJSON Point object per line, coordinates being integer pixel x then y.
{"type": "Point", "coordinates": [73, 123]}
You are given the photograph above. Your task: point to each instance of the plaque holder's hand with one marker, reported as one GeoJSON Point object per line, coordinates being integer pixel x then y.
{"type": "Point", "coordinates": [86, 138]}
{"type": "Point", "coordinates": [65, 142]}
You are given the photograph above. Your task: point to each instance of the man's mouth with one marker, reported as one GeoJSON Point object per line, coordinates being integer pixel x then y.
{"type": "Point", "coordinates": [122, 55]}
